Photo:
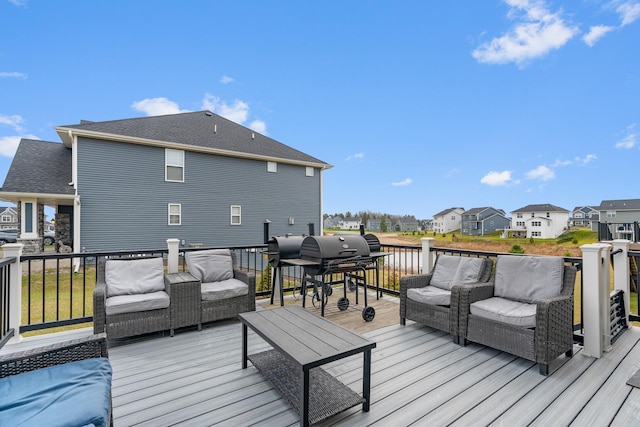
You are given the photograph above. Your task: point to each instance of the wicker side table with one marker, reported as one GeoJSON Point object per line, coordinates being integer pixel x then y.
{"type": "Point", "coordinates": [186, 301]}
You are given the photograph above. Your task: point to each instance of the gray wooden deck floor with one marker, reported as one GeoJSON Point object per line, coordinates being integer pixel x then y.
{"type": "Point", "coordinates": [418, 377]}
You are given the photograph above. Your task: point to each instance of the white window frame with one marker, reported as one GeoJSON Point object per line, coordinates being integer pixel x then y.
{"type": "Point", "coordinates": [235, 217]}
{"type": "Point", "coordinates": [272, 167]}
{"type": "Point", "coordinates": [611, 214]}
{"type": "Point", "coordinates": [309, 171]}
{"type": "Point", "coordinates": [34, 219]}
{"type": "Point", "coordinates": [170, 214]}
{"type": "Point", "coordinates": [172, 163]}
{"type": "Point", "coordinates": [6, 218]}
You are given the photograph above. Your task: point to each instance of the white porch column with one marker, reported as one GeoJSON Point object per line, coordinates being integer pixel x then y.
{"type": "Point", "coordinates": [15, 289]}
{"type": "Point", "coordinates": [621, 271]}
{"type": "Point", "coordinates": [428, 259]}
{"type": "Point", "coordinates": [596, 298]}
{"type": "Point", "coordinates": [172, 258]}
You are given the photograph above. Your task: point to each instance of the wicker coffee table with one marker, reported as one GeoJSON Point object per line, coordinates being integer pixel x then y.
{"type": "Point", "coordinates": [302, 342]}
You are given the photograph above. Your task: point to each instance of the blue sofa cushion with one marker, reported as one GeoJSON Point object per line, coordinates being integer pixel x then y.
{"type": "Point", "coordinates": [72, 394]}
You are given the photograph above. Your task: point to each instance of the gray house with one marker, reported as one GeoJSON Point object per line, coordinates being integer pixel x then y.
{"type": "Point", "coordinates": [8, 217]}
{"type": "Point", "coordinates": [133, 183]}
{"type": "Point", "coordinates": [484, 220]}
{"type": "Point", "coordinates": [619, 219]}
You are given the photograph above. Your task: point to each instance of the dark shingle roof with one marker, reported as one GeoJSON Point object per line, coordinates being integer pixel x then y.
{"type": "Point", "coordinates": [201, 129]}
{"type": "Point", "coordinates": [541, 208]}
{"type": "Point", "coordinates": [40, 167]}
{"type": "Point", "coordinates": [446, 211]}
{"type": "Point", "coordinates": [625, 204]}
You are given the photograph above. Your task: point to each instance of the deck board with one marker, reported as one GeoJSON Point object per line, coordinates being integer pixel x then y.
{"type": "Point", "coordinates": [418, 376]}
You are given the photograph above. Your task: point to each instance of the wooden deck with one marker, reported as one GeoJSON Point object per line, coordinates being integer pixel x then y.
{"type": "Point", "coordinates": [419, 377]}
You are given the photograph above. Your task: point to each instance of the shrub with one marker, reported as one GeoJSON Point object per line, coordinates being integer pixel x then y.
{"type": "Point", "coordinates": [575, 241]}
{"type": "Point", "coordinates": [516, 249]}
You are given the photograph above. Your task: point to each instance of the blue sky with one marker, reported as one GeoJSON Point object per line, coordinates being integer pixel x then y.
{"type": "Point", "coordinates": [418, 105]}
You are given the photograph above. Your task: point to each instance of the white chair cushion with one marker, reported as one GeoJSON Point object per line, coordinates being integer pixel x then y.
{"type": "Point", "coordinates": [430, 295]}
{"type": "Point", "coordinates": [450, 270]}
{"type": "Point", "coordinates": [134, 303]}
{"type": "Point", "coordinates": [211, 265]}
{"type": "Point", "coordinates": [506, 311]}
{"type": "Point", "coordinates": [528, 278]}
{"type": "Point", "coordinates": [135, 276]}
{"type": "Point", "coordinates": [224, 289]}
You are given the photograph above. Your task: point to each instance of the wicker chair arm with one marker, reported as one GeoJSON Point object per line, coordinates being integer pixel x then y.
{"type": "Point", "coordinates": [462, 296]}
{"type": "Point", "coordinates": [99, 306]}
{"type": "Point", "coordinates": [554, 326]}
{"type": "Point", "coordinates": [250, 280]}
{"type": "Point", "coordinates": [414, 281]}
{"type": "Point", "coordinates": [54, 354]}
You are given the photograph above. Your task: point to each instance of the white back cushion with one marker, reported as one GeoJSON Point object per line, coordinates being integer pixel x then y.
{"type": "Point", "coordinates": [213, 265]}
{"type": "Point", "coordinates": [136, 276]}
{"type": "Point", "coordinates": [528, 278]}
{"type": "Point", "coordinates": [450, 270]}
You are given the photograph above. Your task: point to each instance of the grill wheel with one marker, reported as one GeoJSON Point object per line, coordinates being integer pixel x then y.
{"type": "Point", "coordinates": [368, 313]}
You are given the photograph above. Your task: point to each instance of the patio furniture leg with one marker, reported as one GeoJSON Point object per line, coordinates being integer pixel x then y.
{"type": "Point", "coordinates": [544, 369]}
{"type": "Point", "coordinates": [569, 353]}
{"type": "Point", "coordinates": [244, 346]}
{"type": "Point", "coordinates": [366, 381]}
{"type": "Point", "coordinates": [304, 398]}
{"type": "Point", "coordinates": [403, 321]}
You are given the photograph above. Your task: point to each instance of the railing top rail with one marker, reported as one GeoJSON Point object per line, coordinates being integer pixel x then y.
{"type": "Point", "coordinates": [7, 261]}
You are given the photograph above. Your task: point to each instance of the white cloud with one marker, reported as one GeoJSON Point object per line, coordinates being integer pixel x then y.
{"type": "Point", "coordinates": [406, 181]}
{"type": "Point", "coordinates": [157, 106]}
{"type": "Point", "coordinates": [9, 145]}
{"type": "Point", "coordinates": [259, 126]}
{"type": "Point", "coordinates": [355, 156]}
{"type": "Point", "coordinates": [596, 33]}
{"type": "Point", "coordinates": [12, 75]}
{"type": "Point", "coordinates": [18, 2]}
{"type": "Point", "coordinates": [13, 121]}
{"type": "Point", "coordinates": [586, 159]}
{"type": "Point", "coordinates": [561, 163]}
{"type": "Point", "coordinates": [496, 179]}
{"type": "Point", "coordinates": [236, 112]}
{"type": "Point", "coordinates": [629, 11]}
{"type": "Point", "coordinates": [226, 80]}
{"type": "Point", "coordinates": [630, 140]}
{"type": "Point", "coordinates": [538, 32]}
{"type": "Point", "coordinates": [542, 172]}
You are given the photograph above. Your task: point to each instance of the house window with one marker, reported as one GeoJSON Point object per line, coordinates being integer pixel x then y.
{"type": "Point", "coordinates": [548, 215]}
{"type": "Point", "coordinates": [28, 217]}
{"type": "Point", "coordinates": [310, 171]}
{"type": "Point", "coordinates": [536, 234]}
{"type": "Point", "coordinates": [174, 165]}
{"type": "Point", "coordinates": [175, 214]}
{"type": "Point", "coordinates": [536, 223]}
{"type": "Point", "coordinates": [579, 215]}
{"type": "Point", "coordinates": [6, 218]}
{"type": "Point", "coordinates": [518, 215]}
{"type": "Point", "coordinates": [236, 215]}
{"type": "Point", "coordinates": [272, 167]}
{"type": "Point", "coordinates": [533, 214]}
{"type": "Point", "coordinates": [453, 217]}
{"type": "Point", "coordinates": [611, 214]}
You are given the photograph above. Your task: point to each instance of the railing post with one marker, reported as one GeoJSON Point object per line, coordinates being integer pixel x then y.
{"type": "Point", "coordinates": [15, 289]}
{"type": "Point", "coordinates": [596, 298]}
{"type": "Point", "coordinates": [621, 272]}
{"type": "Point", "coordinates": [427, 256]}
{"type": "Point", "coordinates": [172, 260]}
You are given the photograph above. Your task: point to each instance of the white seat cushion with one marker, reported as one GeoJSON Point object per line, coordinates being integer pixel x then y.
{"type": "Point", "coordinates": [133, 276]}
{"type": "Point", "coordinates": [139, 302]}
{"type": "Point", "coordinates": [506, 311]}
{"type": "Point", "coordinates": [224, 289]}
{"type": "Point", "coordinates": [450, 270]}
{"type": "Point", "coordinates": [430, 295]}
{"type": "Point", "coordinates": [528, 278]}
{"type": "Point", "coordinates": [212, 265]}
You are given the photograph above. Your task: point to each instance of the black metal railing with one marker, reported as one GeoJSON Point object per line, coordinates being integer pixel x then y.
{"type": "Point", "coordinates": [57, 289]}
{"type": "Point", "coordinates": [619, 230]}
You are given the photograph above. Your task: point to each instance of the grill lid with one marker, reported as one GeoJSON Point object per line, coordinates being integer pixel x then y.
{"type": "Point", "coordinates": [320, 248]}
{"type": "Point", "coordinates": [284, 247]}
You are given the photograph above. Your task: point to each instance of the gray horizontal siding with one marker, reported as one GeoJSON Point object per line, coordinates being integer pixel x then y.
{"type": "Point", "coordinates": [124, 198]}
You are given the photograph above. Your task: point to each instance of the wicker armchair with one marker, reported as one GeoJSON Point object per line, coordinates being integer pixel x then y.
{"type": "Point", "coordinates": [226, 290]}
{"type": "Point", "coordinates": [93, 346]}
{"type": "Point", "coordinates": [430, 302]}
{"type": "Point", "coordinates": [130, 322]}
{"type": "Point", "coordinates": [527, 310]}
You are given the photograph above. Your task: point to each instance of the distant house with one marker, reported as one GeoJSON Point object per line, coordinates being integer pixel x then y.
{"type": "Point", "coordinates": [374, 224]}
{"type": "Point", "coordinates": [448, 220]}
{"type": "Point", "coordinates": [406, 224]}
{"type": "Point", "coordinates": [134, 183]}
{"type": "Point", "coordinates": [543, 221]}
{"type": "Point", "coordinates": [585, 216]}
{"type": "Point", "coordinates": [350, 223]}
{"type": "Point", "coordinates": [332, 222]}
{"type": "Point", "coordinates": [620, 218]}
{"type": "Point", "coordinates": [8, 217]}
{"type": "Point", "coordinates": [482, 221]}
{"type": "Point", "coordinates": [426, 224]}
